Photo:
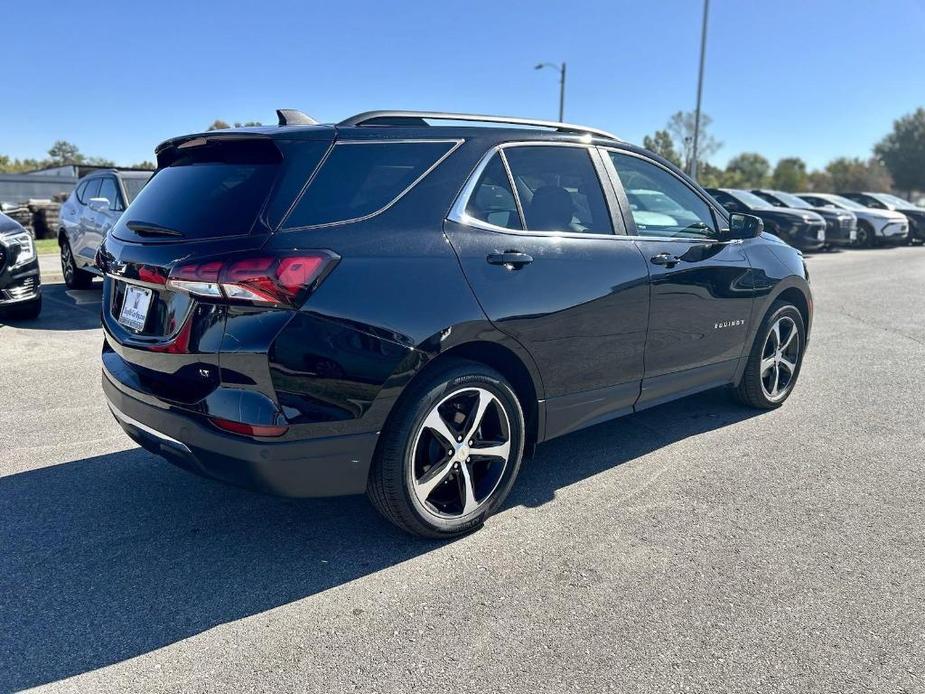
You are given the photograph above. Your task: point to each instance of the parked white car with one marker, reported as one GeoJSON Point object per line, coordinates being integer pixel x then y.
{"type": "Point", "coordinates": [875, 227]}
{"type": "Point", "coordinates": [89, 212]}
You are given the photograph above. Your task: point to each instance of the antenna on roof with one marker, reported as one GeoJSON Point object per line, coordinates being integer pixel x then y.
{"type": "Point", "coordinates": [291, 116]}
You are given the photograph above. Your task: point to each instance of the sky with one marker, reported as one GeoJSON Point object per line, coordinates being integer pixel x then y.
{"type": "Point", "coordinates": [811, 78]}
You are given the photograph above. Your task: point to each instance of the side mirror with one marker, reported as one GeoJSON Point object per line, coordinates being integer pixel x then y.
{"type": "Point", "coordinates": [743, 226]}
{"type": "Point", "coordinates": [99, 204]}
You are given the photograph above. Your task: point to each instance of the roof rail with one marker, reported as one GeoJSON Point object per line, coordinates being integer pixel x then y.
{"type": "Point", "coordinates": [416, 118]}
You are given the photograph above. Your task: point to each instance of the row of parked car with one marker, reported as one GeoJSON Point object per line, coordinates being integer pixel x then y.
{"type": "Point", "coordinates": [814, 221]}
{"type": "Point", "coordinates": [406, 305]}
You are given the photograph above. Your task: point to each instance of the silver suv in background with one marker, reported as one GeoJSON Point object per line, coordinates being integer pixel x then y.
{"type": "Point", "coordinates": [89, 212]}
{"type": "Point", "coordinates": [875, 227]}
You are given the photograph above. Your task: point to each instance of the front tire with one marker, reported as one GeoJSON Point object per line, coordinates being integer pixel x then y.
{"type": "Point", "coordinates": [775, 358]}
{"type": "Point", "coordinates": [865, 238]}
{"type": "Point", "coordinates": [450, 452]}
{"type": "Point", "coordinates": [74, 277]}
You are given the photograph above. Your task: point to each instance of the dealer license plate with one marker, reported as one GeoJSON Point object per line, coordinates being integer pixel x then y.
{"type": "Point", "coordinates": [135, 306]}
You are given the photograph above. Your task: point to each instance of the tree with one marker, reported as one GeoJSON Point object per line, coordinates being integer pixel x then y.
{"type": "Point", "coordinates": [819, 181]}
{"type": "Point", "coordinates": [219, 125]}
{"type": "Point", "coordinates": [63, 152]}
{"type": "Point", "coordinates": [248, 124]}
{"type": "Point", "coordinates": [681, 126]}
{"type": "Point", "coordinates": [662, 144]}
{"type": "Point", "coordinates": [150, 166]}
{"type": "Point", "coordinates": [710, 176]}
{"type": "Point", "coordinates": [903, 152]}
{"type": "Point", "coordinates": [857, 174]}
{"type": "Point", "coordinates": [790, 175]}
{"type": "Point", "coordinates": [749, 169]}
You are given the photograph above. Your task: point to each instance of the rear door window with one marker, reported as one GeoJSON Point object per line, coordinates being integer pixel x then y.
{"type": "Point", "coordinates": [559, 189]}
{"type": "Point", "coordinates": [359, 179]}
{"type": "Point", "coordinates": [492, 200]}
{"type": "Point", "coordinates": [211, 190]}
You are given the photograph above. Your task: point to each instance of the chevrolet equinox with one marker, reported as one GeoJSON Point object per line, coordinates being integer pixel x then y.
{"type": "Point", "coordinates": [406, 303]}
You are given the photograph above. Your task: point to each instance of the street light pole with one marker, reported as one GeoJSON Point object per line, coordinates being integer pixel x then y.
{"type": "Point", "coordinates": [561, 69]}
{"type": "Point", "coordinates": [703, 52]}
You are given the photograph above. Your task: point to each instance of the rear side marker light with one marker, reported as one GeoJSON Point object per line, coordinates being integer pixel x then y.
{"type": "Point", "coordinates": [274, 280]}
{"type": "Point", "coordinates": [248, 429]}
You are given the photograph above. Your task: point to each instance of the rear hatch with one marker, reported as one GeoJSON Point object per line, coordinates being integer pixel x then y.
{"type": "Point", "coordinates": [187, 250]}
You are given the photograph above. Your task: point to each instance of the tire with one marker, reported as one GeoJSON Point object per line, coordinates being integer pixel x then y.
{"type": "Point", "coordinates": [757, 388]}
{"type": "Point", "coordinates": [28, 310]}
{"type": "Point", "coordinates": [467, 486]}
{"type": "Point", "coordinates": [865, 237]}
{"type": "Point", "coordinates": [74, 277]}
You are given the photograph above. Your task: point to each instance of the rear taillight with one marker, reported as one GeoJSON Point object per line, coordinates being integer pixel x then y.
{"type": "Point", "coordinates": [249, 429]}
{"type": "Point", "coordinates": [275, 280]}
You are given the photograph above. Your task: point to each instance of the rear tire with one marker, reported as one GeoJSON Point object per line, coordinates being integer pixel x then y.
{"type": "Point", "coordinates": [450, 453]}
{"type": "Point", "coordinates": [775, 359]}
{"type": "Point", "coordinates": [28, 310]}
{"type": "Point", "coordinates": [74, 277]}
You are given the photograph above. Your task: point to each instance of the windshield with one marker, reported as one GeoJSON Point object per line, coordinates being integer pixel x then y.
{"type": "Point", "coordinates": [839, 201]}
{"type": "Point", "coordinates": [750, 199]}
{"type": "Point", "coordinates": [791, 200]}
{"type": "Point", "coordinates": [893, 200]}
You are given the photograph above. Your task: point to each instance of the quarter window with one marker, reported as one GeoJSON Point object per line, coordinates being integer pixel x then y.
{"type": "Point", "coordinates": [492, 199]}
{"type": "Point", "coordinates": [661, 204]}
{"type": "Point", "coordinates": [559, 189]}
{"type": "Point", "coordinates": [359, 179]}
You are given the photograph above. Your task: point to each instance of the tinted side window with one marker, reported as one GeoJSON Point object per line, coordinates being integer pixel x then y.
{"type": "Point", "coordinates": [80, 191]}
{"type": "Point", "coordinates": [108, 190]}
{"type": "Point", "coordinates": [661, 204]}
{"type": "Point", "coordinates": [492, 199]}
{"type": "Point", "coordinates": [559, 189]}
{"type": "Point", "coordinates": [91, 191]}
{"type": "Point", "coordinates": [357, 180]}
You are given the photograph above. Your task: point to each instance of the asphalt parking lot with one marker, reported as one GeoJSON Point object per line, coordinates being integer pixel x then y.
{"type": "Point", "coordinates": [697, 546]}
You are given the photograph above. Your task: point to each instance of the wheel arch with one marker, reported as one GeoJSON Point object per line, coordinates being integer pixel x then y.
{"type": "Point", "coordinates": [510, 360]}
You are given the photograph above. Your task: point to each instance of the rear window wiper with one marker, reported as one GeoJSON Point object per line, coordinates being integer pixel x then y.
{"type": "Point", "coordinates": [149, 229]}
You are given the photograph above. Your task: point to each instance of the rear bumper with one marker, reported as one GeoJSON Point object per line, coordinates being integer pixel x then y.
{"type": "Point", "coordinates": [323, 466]}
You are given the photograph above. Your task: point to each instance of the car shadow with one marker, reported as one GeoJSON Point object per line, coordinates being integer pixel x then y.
{"type": "Point", "coordinates": [64, 309]}
{"type": "Point", "coordinates": [114, 556]}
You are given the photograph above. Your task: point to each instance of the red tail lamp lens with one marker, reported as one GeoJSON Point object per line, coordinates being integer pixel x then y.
{"type": "Point", "coordinates": [283, 280]}
{"type": "Point", "coordinates": [248, 429]}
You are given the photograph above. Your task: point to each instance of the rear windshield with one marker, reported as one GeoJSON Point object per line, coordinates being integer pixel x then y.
{"type": "Point", "coordinates": [215, 189]}
{"type": "Point", "coordinates": [359, 179]}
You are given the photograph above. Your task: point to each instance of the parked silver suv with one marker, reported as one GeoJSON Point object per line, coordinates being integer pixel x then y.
{"type": "Point", "coordinates": [91, 209]}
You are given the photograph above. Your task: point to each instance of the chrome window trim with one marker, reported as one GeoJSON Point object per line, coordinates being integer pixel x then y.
{"type": "Point", "coordinates": [456, 142]}
{"type": "Point", "coordinates": [458, 213]}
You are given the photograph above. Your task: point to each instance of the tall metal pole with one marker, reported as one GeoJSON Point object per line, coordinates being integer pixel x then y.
{"type": "Point", "coordinates": [561, 69]}
{"type": "Point", "coordinates": [562, 94]}
{"type": "Point", "coordinates": [703, 52]}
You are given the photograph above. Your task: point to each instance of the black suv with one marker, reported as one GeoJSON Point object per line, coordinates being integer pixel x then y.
{"type": "Point", "coordinates": [803, 229]}
{"type": "Point", "coordinates": [404, 304]}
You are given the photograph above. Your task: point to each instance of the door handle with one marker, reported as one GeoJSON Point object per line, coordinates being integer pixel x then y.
{"type": "Point", "coordinates": [665, 259]}
{"type": "Point", "coordinates": [512, 260]}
